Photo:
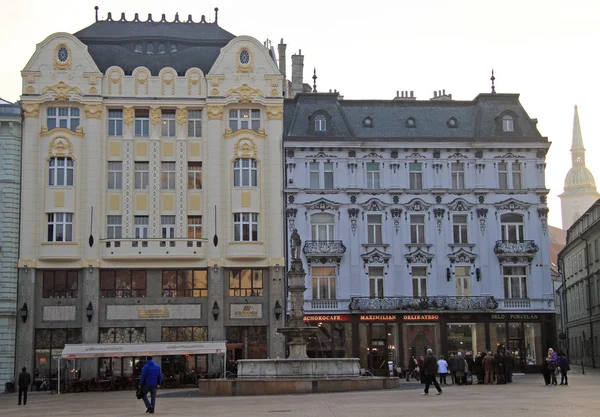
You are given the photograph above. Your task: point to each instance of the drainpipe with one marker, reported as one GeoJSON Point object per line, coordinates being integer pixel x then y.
{"type": "Point", "coordinates": [589, 296]}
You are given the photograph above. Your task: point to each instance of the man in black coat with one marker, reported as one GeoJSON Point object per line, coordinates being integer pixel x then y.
{"type": "Point", "coordinates": [430, 370]}
{"type": "Point", "coordinates": [24, 383]}
{"type": "Point", "coordinates": [509, 363]}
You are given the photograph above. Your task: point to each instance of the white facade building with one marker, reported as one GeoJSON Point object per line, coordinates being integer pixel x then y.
{"type": "Point", "coordinates": [151, 207]}
{"type": "Point", "coordinates": [424, 224]}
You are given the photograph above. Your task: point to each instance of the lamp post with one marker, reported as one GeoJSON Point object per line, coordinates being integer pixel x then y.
{"type": "Point", "coordinates": [215, 310]}
{"type": "Point", "coordinates": [89, 311]}
{"type": "Point", "coordinates": [24, 312]}
{"type": "Point", "coordinates": [277, 310]}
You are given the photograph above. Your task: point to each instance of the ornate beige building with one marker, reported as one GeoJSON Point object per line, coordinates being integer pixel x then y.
{"type": "Point", "coordinates": [152, 206]}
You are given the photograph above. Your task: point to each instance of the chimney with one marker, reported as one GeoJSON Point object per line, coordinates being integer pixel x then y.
{"type": "Point", "coordinates": [297, 73]}
{"type": "Point", "coordinates": [282, 64]}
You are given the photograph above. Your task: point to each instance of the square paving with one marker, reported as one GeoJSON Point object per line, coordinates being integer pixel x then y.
{"type": "Point", "coordinates": [526, 396]}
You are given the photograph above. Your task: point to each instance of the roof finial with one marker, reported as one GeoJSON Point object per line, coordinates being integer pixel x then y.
{"type": "Point", "coordinates": [314, 77]}
{"type": "Point", "coordinates": [493, 79]}
{"type": "Point", "coordinates": [216, 15]}
{"type": "Point", "coordinates": [96, 9]}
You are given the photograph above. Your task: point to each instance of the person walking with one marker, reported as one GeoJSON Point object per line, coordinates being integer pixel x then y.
{"type": "Point", "coordinates": [412, 366]}
{"type": "Point", "coordinates": [552, 360]}
{"type": "Point", "coordinates": [430, 369]}
{"type": "Point", "coordinates": [499, 362]}
{"type": "Point", "coordinates": [563, 364]}
{"type": "Point", "coordinates": [442, 366]}
{"type": "Point", "coordinates": [24, 383]}
{"type": "Point", "coordinates": [150, 379]}
{"type": "Point", "coordinates": [488, 367]}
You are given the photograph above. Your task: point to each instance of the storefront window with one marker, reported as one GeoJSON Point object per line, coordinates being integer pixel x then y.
{"type": "Point", "coordinates": [333, 341]}
{"type": "Point", "coordinates": [49, 343]}
{"type": "Point", "coordinates": [498, 335]}
{"type": "Point", "coordinates": [377, 345]}
{"type": "Point", "coordinates": [533, 344]}
{"type": "Point", "coordinates": [246, 342]}
{"type": "Point", "coordinates": [461, 338]}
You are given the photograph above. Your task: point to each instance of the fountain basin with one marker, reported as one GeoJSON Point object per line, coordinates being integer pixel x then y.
{"type": "Point", "coordinates": [298, 368]}
{"type": "Point", "coordinates": [281, 386]}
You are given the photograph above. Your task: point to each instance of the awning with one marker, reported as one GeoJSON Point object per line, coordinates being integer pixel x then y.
{"type": "Point", "coordinates": [142, 349]}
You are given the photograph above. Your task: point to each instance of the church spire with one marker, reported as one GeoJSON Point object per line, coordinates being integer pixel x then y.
{"type": "Point", "coordinates": [577, 149]}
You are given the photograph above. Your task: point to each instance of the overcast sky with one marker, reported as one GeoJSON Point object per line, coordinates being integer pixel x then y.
{"type": "Point", "coordinates": [545, 50]}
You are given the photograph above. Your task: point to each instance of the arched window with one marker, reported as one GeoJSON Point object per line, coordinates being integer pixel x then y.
{"type": "Point", "coordinates": [162, 49]}
{"type": "Point", "coordinates": [513, 227]}
{"type": "Point", "coordinates": [149, 49]}
{"type": "Point", "coordinates": [60, 172]}
{"type": "Point", "coordinates": [321, 225]}
{"type": "Point", "coordinates": [508, 124]}
{"type": "Point", "coordinates": [138, 48]}
{"type": "Point", "coordinates": [245, 172]}
{"type": "Point", "coordinates": [320, 123]}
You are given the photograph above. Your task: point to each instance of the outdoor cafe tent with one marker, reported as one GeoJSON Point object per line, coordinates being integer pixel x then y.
{"type": "Point", "coordinates": [96, 350]}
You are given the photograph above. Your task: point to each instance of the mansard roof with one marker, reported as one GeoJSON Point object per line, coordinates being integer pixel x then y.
{"type": "Point", "coordinates": [112, 42]}
{"type": "Point", "coordinates": [390, 120]}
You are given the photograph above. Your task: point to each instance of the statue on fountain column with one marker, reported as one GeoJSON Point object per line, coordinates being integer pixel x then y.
{"type": "Point", "coordinates": [295, 244]}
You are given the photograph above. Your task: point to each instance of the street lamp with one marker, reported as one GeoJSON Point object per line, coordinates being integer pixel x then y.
{"type": "Point", "coordinates": [277, 310]}
{"type": "Point", "coordinates": [23, 312]}
{"type": "Point", "coordinates": [89, 312]}
{"type": "Point", "coordinates": [215, 310]}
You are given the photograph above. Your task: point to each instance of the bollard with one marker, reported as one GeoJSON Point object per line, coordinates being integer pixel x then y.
{"type": "Point", "coordinates": [582, 368]}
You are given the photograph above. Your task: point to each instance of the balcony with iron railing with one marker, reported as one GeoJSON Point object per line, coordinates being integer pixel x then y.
{"type": "Point", "coordinates": [325, 304]}
{"type": "Point", "coordinates": [527, 248]}
{"type": "Point", "coordinates": [435, 303]}
{"type": "Point", "coordinates": [324, 251]}
{"type": "Point", "coordinates": [174, 248]}
{"type": "Point", "coordinates": [526, 304]}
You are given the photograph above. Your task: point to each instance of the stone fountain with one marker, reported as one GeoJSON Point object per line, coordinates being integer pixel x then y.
{"type": "Point", "coordinates": [297, 373]}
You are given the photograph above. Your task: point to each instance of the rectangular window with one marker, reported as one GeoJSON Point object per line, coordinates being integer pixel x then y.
{"type": "Point", "coordinates": [113, 225]}
{"type": "Point", "coordinates": [184, 334]}
{"type": "Point", "coordinates": [328, 175]}
{"type": "Point", "coordinates": [458, 176]}
{"type": "Point", "coordinates": [245, 172]}
{"type": "Point", "coordinates": [502, 176]}
{"type": "Point", "coordinates": [59, 284]}
{"type": "Point", "coordinates": [60, 172]}
{"type": "Point", "coordinates": [516, 176]}
{"type": "Point", "coordinates": [315, 175]}
{"type": "Point", "coordinates": [459, 228]}
{"type": "Point", "coordinates": [194, 227]}
{"type": "Point", "coordinates": [142, 175]}
{"type": "Point", "coordinates": [245, 283]}
{"type": "Point", "coordinates": [142, 123]}
{"type": "Point", "coordinates": [194, 175]}
{"type": "Point", "coordinates": [415, 176]}
{"type": "Point", "coordinates": [115, 122]}
{"type": "Point", "coordinates": [194, 123]}
{"type": "Point", "coordinates": [50, 343]}
{"type": "Point", "coordinates": [321, 226]}
{"type": "Point", "coordinates": [419, 281]}
{"type": "Point", "coordinates": [167, 175]}
{"type": "Point", "coordinates": [122, 335]}
{"type": "Point", "coordinates": [323, 283]}
{"type": "Point", "coordinates": [65, 117]}
{"type": "Point", "coordinates": [515, 282]}
{"type": "Point", "coordinates": [245, 227]}
{"type": "Point", "coordinates": [141, 227]}
{"type": "Point", "coordinates": [115, 175]}
{"type": "Point", "coordinates": [122, 283]}
{"type": "Point", "coordinates": [185, 283]}
{"type": "Point", "coordinates": [374, 228]}
{"type": "Point", "coordinates": [60, 227]}
{"type": "Point", "coordinates": [373, 176]}
{"type": "Point", "coordinates": [463, 281]}
{"type": "Point", "coordinates": [244, 119]}
{"type": "Point", "coordinates": [417, 228]}
{"type": "Point", "coordinates": [167, 123]}
{"type": "Point", "coordinates": [167, 225]}
{"type": "Point", "coordinates": [376, 282]}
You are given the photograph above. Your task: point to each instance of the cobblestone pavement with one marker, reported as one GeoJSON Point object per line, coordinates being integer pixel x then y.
{"type": "Point", "coordinates": [527, 396]}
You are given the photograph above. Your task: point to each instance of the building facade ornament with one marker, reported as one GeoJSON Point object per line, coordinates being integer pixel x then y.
{"type": "Point", "coordinates": [60, 147]}
{"type": "Point", "coordinates": [193, 82]}
{"type": "Point", "coordinates": [275, 112]}
{"type": "Point", "coordinates": [62, 90]}
{"type": "Point", "coordinates": [396, 213]}
{"type": "Point", "coordinates": [115, 81]}
{"type": "Point", "coordinates": [245, 148]}
{"type": "Point", "coordinates": [374, 204]}
{"type": "Point", "coordinates": [462, 256]}
{"type": "Point", "coordinates": [214, 112]}
{"type": "Point", "coordinates": [511, 205]}
{"type": "Point", "coordinates": [375, 257]}
{"type": "Point", "coordinates": [167, 82]}
{"type": "Point", "coordinates": [438, 213]}
{"type": "Point", "coordinates": [418, 256]}
{"type": "Point", "coordinates": [93, 111]}
{"type": "Point", "coordinates": [245, 93]}
{"type": "Point", "coordinates": [459, 205]}
{"type": "Point", "coordinates": [31, 109]}
{"type": "Point", "coordinates": [154, 115]}
{"type": "Point", "coordinates": [481, 216]}
{"type": "Point", "coordinates": [181, 114]}
{"type": "Point", "coordinates": [322, 204]}
{"type": "Point", "coordinates": [128, 115]}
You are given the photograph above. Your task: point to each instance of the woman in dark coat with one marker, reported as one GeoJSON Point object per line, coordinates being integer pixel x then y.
{"type": "Point", "coordinates": [452, 368]}
{"type": "Point", "coordinates": [478, 367]}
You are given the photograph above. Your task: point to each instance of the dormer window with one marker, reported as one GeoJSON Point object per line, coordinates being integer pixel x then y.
{"type": "Point", "coordinates": [508, 124]}
{"type": "Point", "coordinates": [452, 122]}
{"type": "Point", "coordinates": [173, 48]}
{"type": "Point", "coordinates": [138, 48]}
{"type": "Point", "coordinates": [162, 49]}
{"type": "Point", "coordinates": [150, 49]}
{"type": "Point", "coordinates": [368, 121]}
{"type": "Point", "coordinates": [411, 122]}
{"type": "Point", "coordinates": [320, 123]}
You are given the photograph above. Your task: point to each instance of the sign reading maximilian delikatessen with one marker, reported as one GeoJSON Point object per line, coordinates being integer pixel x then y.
{"type": "Point", "coordinates": [377, 317]}
{"type": "Point", "coordinates": [245, 311]}
{"type": "Point", "coordinates": [420, 317]}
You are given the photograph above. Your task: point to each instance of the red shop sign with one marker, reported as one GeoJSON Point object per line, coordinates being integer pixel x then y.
{"type": "Point", "coordinates": [327, 317]}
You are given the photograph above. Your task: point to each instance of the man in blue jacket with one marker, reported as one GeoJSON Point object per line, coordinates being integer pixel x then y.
{"type": "Point", "coordinates": [151, 378]}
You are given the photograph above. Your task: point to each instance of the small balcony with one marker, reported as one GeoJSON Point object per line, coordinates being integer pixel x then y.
{"type": "Point", "coordinates": [513, 248]}
{"type": "Point", "coordinates": [132, 249]}
{"type": "Point", "coordinates": [526, 304]}
{"type": "Point", "coordinates": [324, 305]}
{"type": "Point", "coordinates": [324, 251]}
{"type": "Point", "coordinates": [439, 303]}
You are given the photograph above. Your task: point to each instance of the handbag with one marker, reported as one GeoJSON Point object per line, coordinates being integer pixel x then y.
{"type": "Point", "coordinates": [139, 392]}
